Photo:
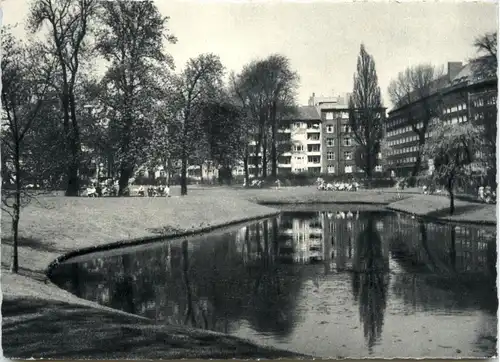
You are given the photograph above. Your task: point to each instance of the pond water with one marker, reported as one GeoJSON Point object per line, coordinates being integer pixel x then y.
{"type": "Point", "coordinates": [373, 284]}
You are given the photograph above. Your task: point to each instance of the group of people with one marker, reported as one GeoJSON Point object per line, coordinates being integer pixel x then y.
{"type": "Point", "coordinates": [337, 186]}
{"type": "Point", "coordinates": [340, 215]}
{"type": "Point", "coordinates": [151, 191]}
{"type": "Point", "coordinates": [106, 188]}
{"type": "Point", "coordinates": [485, 194]}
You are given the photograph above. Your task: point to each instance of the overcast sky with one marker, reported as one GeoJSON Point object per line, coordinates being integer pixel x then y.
{"type": "Point", "coordinates": [321, 39]}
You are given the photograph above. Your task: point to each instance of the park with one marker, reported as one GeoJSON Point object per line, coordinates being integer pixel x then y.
{"type": "Point", "coordinates": [58, 228]}
{"type": "Point", "coordinates": [174, 191]}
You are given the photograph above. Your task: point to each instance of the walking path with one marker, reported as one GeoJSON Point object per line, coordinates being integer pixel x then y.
{"type": "Point", "coordinates": [61, 225]}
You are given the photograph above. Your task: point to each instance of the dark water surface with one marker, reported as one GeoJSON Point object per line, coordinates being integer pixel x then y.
{"type": "Point", "coordinates": [378, 284]}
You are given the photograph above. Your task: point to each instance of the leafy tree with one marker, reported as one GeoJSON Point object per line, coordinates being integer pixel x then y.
{"type": "Point", "coordinates": [414, 90]}
{"type": "Point", "coordinates": [224, 128]}
{"type": "Point", "coordinates": [200, 81]}
{"type": "Point", "coordinates": [25, 84]}
{"type": "Point", "coordinates": [68, 28]}
{"type": "Point", "coordinates": [266, 89]}
{"type": "Point", "coordinates": [366, 113]}
{"type": "Point", "coordinates": [131, 40]}
{"type": "Point", "coordinates": [453, 148]}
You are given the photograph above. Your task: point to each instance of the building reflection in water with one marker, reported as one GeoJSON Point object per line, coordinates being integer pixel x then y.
{"type": "Point", "coordinates": [255, 276]}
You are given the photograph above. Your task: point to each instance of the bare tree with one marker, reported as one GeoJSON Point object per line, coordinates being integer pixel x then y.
{"type": "Point", "coordinates": [366, 112]}
{"type": "Point", "coordinates": [486, 63]}
{"type": "Point", "coordinates": [414, 92]}
{"type": "Point", "coordinates": [68, 22]}
{"type": "Point", "coordinates": [25, 85]}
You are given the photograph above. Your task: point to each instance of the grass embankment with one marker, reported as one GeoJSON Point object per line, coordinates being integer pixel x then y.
{"type": "Point", "coordinates": [437, 207]}
{"type": "Point", "coordinates": [41, 320]}
{"type": "Point", "coordinates": [34, 309]}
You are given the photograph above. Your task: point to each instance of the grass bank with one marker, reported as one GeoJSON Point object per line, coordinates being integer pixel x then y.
{"type": "Point", "coordinates": [437, 207]}
{"type": "Point", "coordinates": [58, 226]}
{"type": "Point", "coordinates": [41, 320]}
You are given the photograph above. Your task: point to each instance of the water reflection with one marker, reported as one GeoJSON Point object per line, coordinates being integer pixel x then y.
{"type": "Point", "coordinates": [294, 280]}
{"type": "Point", "coordinates": [370, 281]}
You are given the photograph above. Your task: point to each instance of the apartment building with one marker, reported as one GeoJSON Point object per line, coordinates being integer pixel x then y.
{"type": "Point", "coordinates": [305, 143]}
{"type": "Point", "coordinates": [460, 97]}
{"type": "Point", "coordinates": [338, 143]}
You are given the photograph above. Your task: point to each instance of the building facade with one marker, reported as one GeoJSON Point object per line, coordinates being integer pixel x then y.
{"type": "Point", "coordinates": [338, 142]}
{"type": "Point", "coordinates": [458, 97]}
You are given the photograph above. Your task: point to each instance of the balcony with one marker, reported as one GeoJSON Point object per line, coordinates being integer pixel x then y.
{"type": "Point", "coordinates": [313, 141]}
{"type": "Point", "coordinates": [314, 129]}
{"type": "Point", "coordinates": [314, 153]}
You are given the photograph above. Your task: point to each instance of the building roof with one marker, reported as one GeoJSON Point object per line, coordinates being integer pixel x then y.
{"type": "Point", "coordinates": [307, 113]}
{"type": "Point", "coordinates": [465, 74]}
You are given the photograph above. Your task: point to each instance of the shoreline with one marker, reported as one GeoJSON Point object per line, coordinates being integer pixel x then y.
{"type": "Point", "coordinates": [379, 200]}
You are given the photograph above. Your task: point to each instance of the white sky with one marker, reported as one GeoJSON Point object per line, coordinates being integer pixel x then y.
{"type": "Point", "coordinates": [321, 39]}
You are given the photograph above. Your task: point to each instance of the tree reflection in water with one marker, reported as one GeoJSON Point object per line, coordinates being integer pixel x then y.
{"type": "Point", "coordinates": [370, 282]}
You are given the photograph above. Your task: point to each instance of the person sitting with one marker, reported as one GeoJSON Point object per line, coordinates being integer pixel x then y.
{"type": "Point", "coordinates": [480, 193]}
{"type": "Point", "coordinates": [338, 216]}
{"type": "Point", "coordinates": [161, 190]}
{"type": "Point", "coordinates": [140, 192]}
{"type": "Point", "coordinates": [349, 214]}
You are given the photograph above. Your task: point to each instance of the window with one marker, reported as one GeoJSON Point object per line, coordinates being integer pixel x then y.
{"type": "Point", "coordinates": [348, 169]}
{"type": "Point", "coordinates": [329, 115]}
{"type": "Point", "coordinates": [331, 169]}
{"type": "Point", "coordinates": [296, 124]}
{"type": "Point", "coordinates": [344, 115]}
{"type": "Point", "coordinates": [330, 156]}
{"type": "Point", "coordinates": [313, 159]}
{"type": "Point", "coordinates": [329, 128]}
{"type": "Point", "coordinates": [330, 142]}
{"type": "Point", "coordinates": [378, 168]}
{"type": "Point", "coordinates": [313, 136]}
{"type": "Point", "coordinates": [313, 148]}
{"type": "Point", "coordinates": [347, 155]}
{"type": "Point", "coordinates": [347, 141]}
{"type": "Point", "coordinates": [345, 128]}
{"type": "Point", "coordinates": [298, 148]}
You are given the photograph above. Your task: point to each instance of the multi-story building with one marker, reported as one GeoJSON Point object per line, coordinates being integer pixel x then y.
{"type": "Point", "coordinates": [338, 143]}
{"type": "Point", "coordinates": [305, 143]}
{"type": "Point", "coordinates": [459, 96]}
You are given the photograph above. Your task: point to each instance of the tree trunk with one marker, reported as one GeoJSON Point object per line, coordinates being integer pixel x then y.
{"type": "Point", "coordinates": [73, 187]}
{"type": "Point", "coordinates": [245, 167]}
{"type": "Point", "coordinates": [125, 175]}
{"type": "Point", "coordinates": [418, 162]}
{"type": "Point", "coordinates": [17, 211]}
{"type": "Point", "coordinates": [256, 159]}
{"type": "Point", "coordinates": [452, 195]}
{"type": "Point", "coordinates": [274, 133]}
{"type": "Point", "coordinates": [264, 157]}
{"type": "Point", "coordinates": [184, 190]}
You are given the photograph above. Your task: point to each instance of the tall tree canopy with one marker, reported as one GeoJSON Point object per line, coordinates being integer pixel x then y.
{"type": "Point", "coordinates": [69, 25]}
{"type": "Point", "coordinates": [366, 113]}
{"type": "Point", "coordinates": [132, 41]}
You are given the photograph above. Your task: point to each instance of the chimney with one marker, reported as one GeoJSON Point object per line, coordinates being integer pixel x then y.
{"type": "Point", "coordinates": [312, 100]}
{"type": "Point", "coordinates": [453, 69]}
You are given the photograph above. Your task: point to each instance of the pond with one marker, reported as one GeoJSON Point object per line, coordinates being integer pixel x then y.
{"type": "Point", "coordinates": [372, 284]}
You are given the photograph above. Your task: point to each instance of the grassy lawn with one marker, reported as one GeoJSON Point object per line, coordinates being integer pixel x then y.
{"type": "Point", "coordinates": [42, 329]}
{"type": "Point", "coordinates": [57, 225]}
{"type": "Point", "coordinates": [438, 207]}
